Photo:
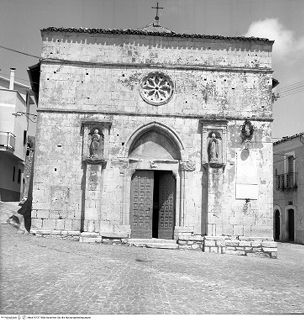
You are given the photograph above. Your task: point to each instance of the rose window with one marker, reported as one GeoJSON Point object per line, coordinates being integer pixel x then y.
{"type": "Point", "coordinates": [156, 88]}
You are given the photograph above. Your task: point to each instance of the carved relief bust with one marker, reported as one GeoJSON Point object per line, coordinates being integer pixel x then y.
{"type": "Point", "coordinates": [247, 130]}
{"type": "Point", "coordinates": [156, 88]}
{"type": "Point", "coordinates": [187, 165]}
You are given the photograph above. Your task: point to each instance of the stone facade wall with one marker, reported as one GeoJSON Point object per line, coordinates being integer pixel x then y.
{"type": "Point", "coordinates": [149, 50]}
{"type": "Point", "coordinates": [96, 79]}
{"type": "Point", "coordinates": [289, 197]}
{"type": "Point", "coordinates": [58, 198]}
{"type": "Point", "coordinates": [196, 92]}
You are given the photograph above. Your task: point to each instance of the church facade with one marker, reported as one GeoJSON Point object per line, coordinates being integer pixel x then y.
{"type": "Point", "coordinates": [152, 134]}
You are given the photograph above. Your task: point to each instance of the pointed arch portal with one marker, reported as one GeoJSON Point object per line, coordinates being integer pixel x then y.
{"type": "Point", "coordinates": [154, 151]}
{"type": "Point", "coordinates": [160, 137]}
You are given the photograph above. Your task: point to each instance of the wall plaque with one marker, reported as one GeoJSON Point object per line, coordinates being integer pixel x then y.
{"type": "Point", "coordinates": [246, 175]}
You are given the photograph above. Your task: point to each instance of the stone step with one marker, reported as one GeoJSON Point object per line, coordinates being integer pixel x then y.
{"type": "Point", "coordinates": [152, 240]}
{"type": "Point", "coordinates": [154, 243]}
{"type": "Point", "coordinates": [90, 239]}
{"type": "Point", "coordinates": [162, 245]}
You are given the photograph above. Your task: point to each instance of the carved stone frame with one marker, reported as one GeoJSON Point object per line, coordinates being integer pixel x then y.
{"type": "Point", "coordinates": [176, 166]}
{"type": "Point", "coordinates": [160, 75]}
{"type": "Point", "coordinates": [93, 170]}
{"type": "Point", "coordinates": [220, 126]}
{"type": "Point", "coordinates": [104, 128]}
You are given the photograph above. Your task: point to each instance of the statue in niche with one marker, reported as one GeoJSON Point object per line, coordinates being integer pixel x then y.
{"type": "Point", "coordinates": [95, 144]}
{"type": "Point", "coordinates": [214, 150]}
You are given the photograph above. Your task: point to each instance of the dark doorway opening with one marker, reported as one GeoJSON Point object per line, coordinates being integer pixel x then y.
{"type": "Point", "coordinates": [291, 225]}
{"type": "Point", "coordinates": [153, 204]}
{"type": "Point", "coordinates": [163, 205]}
{"type": "Point", "coordinates": [277, 225]}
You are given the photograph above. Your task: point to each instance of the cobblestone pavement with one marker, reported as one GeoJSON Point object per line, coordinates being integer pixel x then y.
{"type": "Point", "coordinates": [53, 276]}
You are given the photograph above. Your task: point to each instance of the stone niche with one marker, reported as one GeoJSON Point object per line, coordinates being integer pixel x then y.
{"type": "Point", "coordinates": [214, 142]}
{"type": "Point", "coordinates": [95, 141]}
{"type": "Point", "coordinates": [94, 155]}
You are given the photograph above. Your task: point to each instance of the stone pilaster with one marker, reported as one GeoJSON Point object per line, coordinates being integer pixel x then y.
{"type": "Point", "coordinates": [93, 199]}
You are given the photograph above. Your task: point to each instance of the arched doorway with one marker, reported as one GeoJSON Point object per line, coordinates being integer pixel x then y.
{"type": "Point", "coordinates": [155, 156]}
{"type": "Point", "coordinates": [290, 224]}
{"type": "Point", "coordinates": [277, 225]}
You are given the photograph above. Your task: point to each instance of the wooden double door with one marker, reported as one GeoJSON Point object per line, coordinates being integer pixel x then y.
{"type": "Point", "coordinates": [152, 204]}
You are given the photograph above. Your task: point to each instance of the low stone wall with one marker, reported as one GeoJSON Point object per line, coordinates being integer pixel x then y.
{"type": "Point", "coordinates": [91, 237]}
{"type": "Point", "coordinates": [240, 245]}
{"type": "Point", "coordinates": [61, 234]}
{"type": "Point", "coordinates": [86, 237]}
{"type": "Point", "coordinates": [189, 241]}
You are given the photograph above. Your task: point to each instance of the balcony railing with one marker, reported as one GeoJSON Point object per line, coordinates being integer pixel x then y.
{"type": "Point", "coordinates": [286, 181]}
{"type": "Point", "coordinates": [7, 140]}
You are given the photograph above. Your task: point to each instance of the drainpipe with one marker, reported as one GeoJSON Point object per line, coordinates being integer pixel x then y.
{"type": "Point", "coordinates": [12, 79]}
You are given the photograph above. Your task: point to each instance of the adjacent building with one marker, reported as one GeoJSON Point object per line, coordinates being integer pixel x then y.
{"type": "Point", "coordinates": [153, 134]}
{"type": "Point", "coordinates": [288, 193]}
{"type": "Point", "coordinates": [15, 127]}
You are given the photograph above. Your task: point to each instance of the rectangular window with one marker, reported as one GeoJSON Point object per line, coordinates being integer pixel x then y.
{"type": "Point", "coordinates": [277, 179]}
{"type": "Point", "coordinates": [19, 176]}
{"type": "Point", "coordinates": [14, 171]}
{"type": "Point", "coordinates": [24, 137]}
{"type": "Point", "coordinates": [290, 160]}
{"type": "Point", "coordinates": [290, 171]}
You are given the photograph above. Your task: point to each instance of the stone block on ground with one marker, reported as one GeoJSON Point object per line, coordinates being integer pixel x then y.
{"type": "Point", "coordinates": [90, 239]}
{"type": "Point", "coordinates": [89, 234]}
{"type": "Point", "coordinates": [269, 244]}
{"type": "Point", "coordinates": [209, 243]}
{"type": "Point", "coordinates": [195, 246]}
{"type": "Point", "coordinates": [231, 243]}
{"type": "Point", "coordinates": [244, 243]}
{"type": "Point", "coordinates": [265, 249]}
{"type": "Point", "coordinates": [236, 252]}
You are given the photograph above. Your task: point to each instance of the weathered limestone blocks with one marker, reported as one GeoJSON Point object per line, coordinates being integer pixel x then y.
{"type": "Point", "coordinates": [190, 241]}
{"type": "Point", "coordinates": [243, 246]}
{"type": "Point", "coordinates": [240, 246]}
{"type": "Point", "coordinates": [97, 127]}
{"type": "Point", "coordinates": [61, 234]}
{"type": "Point", "coordinates": [110, 238]}
{"type": "Point", "coordinates": [260, 246]}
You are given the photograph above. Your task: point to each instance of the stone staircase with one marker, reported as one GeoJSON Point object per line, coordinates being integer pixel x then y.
{"type": "Point", "coordinates": [153, 243]}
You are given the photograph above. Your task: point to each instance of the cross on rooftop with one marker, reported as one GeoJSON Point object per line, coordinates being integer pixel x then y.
{"type": "Point", "coordinates": [157, 8]}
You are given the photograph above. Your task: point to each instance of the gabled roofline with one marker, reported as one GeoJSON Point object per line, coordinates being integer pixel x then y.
{"type": "Point", "coordinates": [147, 33]}
{"type": "Point", "coordinates": [288, 138]}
